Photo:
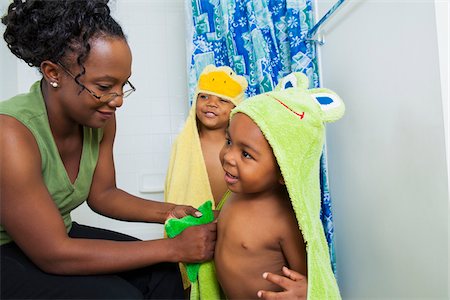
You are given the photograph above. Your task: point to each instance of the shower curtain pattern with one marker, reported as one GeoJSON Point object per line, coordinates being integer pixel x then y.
{"type": "Point", "coordinates": [263, 40]}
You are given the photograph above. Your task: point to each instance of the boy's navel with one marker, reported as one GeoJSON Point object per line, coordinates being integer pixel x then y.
{"type": "Point", "coordinates": [244, 246]}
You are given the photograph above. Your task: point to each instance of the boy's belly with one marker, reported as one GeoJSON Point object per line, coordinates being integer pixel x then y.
{"type": "Point", "coordinates": [240, 268]}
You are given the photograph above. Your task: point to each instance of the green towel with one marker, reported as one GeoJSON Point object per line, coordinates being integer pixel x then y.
{"type": "Point", "coordinates": [206, 287]}
{"type": "Point", "coordinates": [202, 276]}
{"type": "Point", "coordinates": [292, 119]}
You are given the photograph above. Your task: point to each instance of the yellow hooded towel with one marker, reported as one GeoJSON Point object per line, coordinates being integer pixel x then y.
{"type": "Point", "coordinates": [187, 179]}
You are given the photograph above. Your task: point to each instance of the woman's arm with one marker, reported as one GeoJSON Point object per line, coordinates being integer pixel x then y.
{"type": "Point", "coordinates": [31, 218]}
{"type": "Point", "coordinates": [106, 199]}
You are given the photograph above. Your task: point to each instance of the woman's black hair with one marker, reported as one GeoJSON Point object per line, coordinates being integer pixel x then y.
{"type": "Point", "coordinates": [39, 30]}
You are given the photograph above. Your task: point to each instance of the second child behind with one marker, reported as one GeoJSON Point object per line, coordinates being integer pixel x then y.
{"type": "Point", "coordinates": [195, 173]}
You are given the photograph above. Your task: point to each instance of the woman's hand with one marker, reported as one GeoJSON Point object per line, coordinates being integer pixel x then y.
{"type": "Point", "coordinates": [180, 211]}
{"type": "Point", "coordinates": [295, 285]}
{"type": "Point", "coordinates": [196, 243]}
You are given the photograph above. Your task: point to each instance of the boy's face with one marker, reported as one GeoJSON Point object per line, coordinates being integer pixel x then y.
{"type": "Point", "coordinates": [247, 158]}
{"type": "Point", "coordinates": [213, 112]}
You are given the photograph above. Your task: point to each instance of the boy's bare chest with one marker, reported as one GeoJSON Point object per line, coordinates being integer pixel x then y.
{"type": "Point", "coordinates": [250, 230]}
{"type": "Point", "coordinates": [248, 244]}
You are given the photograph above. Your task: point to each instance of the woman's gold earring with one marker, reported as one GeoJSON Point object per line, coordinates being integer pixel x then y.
{"type": "Point", "coordinates": [54, 84]}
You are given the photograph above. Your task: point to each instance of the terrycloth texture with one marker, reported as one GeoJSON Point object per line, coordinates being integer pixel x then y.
{"type": "Point", "coordinates": [174, 227]}
{"type": "Point", "coordinates": [206, 287]}
{"type": "Point", "coordinates": [202, 276]}
{"type": "Point", "coordinates": [292, 120]}
{"type": "Point", "coordinates": [221, 82]}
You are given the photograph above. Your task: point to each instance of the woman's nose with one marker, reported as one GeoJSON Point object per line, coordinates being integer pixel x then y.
{"type": "Point", "coordinates": [117, 101]}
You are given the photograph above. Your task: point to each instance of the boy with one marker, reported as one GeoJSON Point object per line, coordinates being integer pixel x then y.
{"type": "Point", "coordinates": [195, 174]}
{"type": "Point", "coordinates": [271, 164]}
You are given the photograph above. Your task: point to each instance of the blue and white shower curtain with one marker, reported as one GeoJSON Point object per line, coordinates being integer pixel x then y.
{"type": "Point", "coordinates": [263, 40]}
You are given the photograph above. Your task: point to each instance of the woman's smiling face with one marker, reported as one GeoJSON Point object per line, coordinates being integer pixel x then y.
{"type": "Point", "coordinates": [107, 69]}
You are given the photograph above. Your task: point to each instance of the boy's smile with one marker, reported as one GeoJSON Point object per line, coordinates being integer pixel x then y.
{"type": "Point", "coordinates": [230, 179]}
{"type": "Point", "coordinates": [213, 112]}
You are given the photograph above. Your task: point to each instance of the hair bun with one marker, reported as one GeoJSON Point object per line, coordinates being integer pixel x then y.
{"type": "Point", "coordinates": [39, 30]}
{"type": "Point", "coordinates": [100, 8]}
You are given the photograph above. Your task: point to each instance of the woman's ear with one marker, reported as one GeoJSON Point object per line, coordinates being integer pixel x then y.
{"type": "Point", "coordinates": [51, 73]}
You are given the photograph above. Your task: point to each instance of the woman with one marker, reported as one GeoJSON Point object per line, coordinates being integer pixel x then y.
{"type": "Point", "coordinates": [57, 143]}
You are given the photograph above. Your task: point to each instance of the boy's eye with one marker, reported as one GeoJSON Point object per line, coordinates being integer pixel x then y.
{"type": "Point", "coordinates": [246, 155]}
{"type": "Point", "coordinates": [227, 142]}
{"type": "Point", "coordinates": [224, 100]}
{"type": "Point", "coordinates": [203, 96]}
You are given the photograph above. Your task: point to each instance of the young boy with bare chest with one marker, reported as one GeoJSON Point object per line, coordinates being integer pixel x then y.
{"type": "Point", "coordinates": [213, 114]}
{"type": "Point", "coordinates": [271, 163]}
{"type": "Point", "coordinates": [247, 236]}
{"type": "Point", "coordinates": [195, 173]}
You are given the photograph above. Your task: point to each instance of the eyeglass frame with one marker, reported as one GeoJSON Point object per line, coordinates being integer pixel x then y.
{"type": "Point", "coordinates": [113, 95]}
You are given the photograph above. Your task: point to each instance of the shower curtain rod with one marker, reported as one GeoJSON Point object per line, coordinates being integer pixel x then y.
{"type": "Point", "coordinates": [312, 32]}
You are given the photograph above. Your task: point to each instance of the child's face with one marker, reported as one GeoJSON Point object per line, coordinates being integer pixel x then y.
{"type": "Point", "coordinates": [213, 112]}
{"type": "Point", "coordinates": [247, 158]}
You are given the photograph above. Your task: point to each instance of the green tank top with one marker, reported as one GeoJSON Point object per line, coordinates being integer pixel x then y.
{"type": "Point", "coordinates": [30, 110]}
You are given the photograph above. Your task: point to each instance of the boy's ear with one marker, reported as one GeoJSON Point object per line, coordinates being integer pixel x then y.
{"type": "Point", "coordinates": [281, 180]}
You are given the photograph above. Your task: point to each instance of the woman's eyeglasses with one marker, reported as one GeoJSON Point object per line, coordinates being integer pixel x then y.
{"type": "Point", "coordinates": [104, 98]}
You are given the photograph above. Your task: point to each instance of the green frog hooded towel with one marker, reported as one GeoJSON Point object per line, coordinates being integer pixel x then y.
{"type": "Point", "coordinates": [292, 120]}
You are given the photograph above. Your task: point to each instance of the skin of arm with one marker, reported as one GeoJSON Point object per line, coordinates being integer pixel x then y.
{"type": "Point", "coordinates": [294, 282]}
{"type": "Point", "coordinates": [292, 244]}
{"type": "Point", "coordinates": [105, 198]}
{"type": "Point", "coordinates": [31, 218]}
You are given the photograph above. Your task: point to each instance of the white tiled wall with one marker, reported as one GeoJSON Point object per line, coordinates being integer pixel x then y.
{"type": "Point", "coordinates": [152, 116]}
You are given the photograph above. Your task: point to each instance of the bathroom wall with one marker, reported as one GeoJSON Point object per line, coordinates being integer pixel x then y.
{"type": "Point", "coordinates": [387, 159]}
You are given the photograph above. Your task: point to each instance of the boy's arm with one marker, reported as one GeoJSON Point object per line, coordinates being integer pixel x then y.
{"type": "Point", "coordinates": [293, 245]}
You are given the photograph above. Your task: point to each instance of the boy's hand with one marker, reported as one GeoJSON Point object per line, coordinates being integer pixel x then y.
{"type": "Point", "coordinates": [295, 285]}
{"type": "Point", "coordinates": [180, 211]}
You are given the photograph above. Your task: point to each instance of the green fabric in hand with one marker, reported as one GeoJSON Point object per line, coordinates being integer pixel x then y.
{"type": "Point", "coordinates": [174, 227]}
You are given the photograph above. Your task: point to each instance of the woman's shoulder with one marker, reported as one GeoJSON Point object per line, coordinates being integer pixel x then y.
{"type": "Point", "coordinates": [25, 106]}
